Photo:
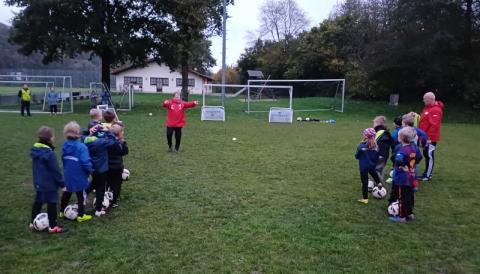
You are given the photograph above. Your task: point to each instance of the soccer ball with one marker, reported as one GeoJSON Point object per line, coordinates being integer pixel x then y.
{"type": "Point", "coordinates": [379, 192]}
{"type": "Point", "coordinates": [125, 174]}
{"type": "Point", "coordinates": [109, 195]}
{"type": "Point", "coordinates": [71, 212]}
{"type": "Point", "coordinates": [391, 174]}
{"type": "Point", "coordinates": [394, 209]}
{"type": "Point", "coordinates": [105, 203]}
{"type": "Point", "coordinates": [307, 119]}
{"type": "Point", "coordinates": [299, 119]}
{"type": "Point", "coordinates": [371, 184]}
{"type": "Point", "coordinates": [41, 222]}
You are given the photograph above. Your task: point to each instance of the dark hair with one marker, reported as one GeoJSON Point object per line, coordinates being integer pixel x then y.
{"type": "Point", "coordinates": [398, 120]}
{"type": "Point", "coordinates": [109, 116]}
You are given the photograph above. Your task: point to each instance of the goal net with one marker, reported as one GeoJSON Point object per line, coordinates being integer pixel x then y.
{"type": "Point", "coordinates": [39, 86]}
{"type": "Point", "coordinates": [310, 94]}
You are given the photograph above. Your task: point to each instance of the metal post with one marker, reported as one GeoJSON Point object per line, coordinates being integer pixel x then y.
{"type": "Point", "coordinates": [224, 48]}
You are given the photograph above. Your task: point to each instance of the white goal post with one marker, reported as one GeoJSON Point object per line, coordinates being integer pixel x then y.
{"type": "Point", "coordinates": [39, 86]}
{"type": "Point", "coordinates": [341, 82]}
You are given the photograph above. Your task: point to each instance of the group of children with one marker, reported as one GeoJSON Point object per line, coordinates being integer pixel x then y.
{"type": "Point", "coordinates": [373, 154]}
{"type": "Point", "coordinates": [97, 152]}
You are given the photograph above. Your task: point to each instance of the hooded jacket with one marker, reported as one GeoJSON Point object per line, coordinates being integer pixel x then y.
{"type": "Point", "coordinates": [77, 165]}
{"type": "Point", "coordinates": [46, 174]}
{"type": "Point", "coordinates": [385, 141]}
{"type": "Point", "coordinates": [367, 158]}
{"type": "Point", "coordinates": [431, 120]}
{"type": "Point", "coordinates": [116, 153]}
{"type": "Point", "coordinates": [176, 112]}
{"type": "Point", "coordinates": [98, 150]}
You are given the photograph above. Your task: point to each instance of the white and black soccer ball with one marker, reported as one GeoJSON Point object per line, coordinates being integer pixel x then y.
{"type": "Point", "coordinates": [41, 222]}
{"type": "Point", "coordinates": [299, 119]}
{"type": "Point", "coordinates": [125, 174]}
{"type": "Point", "coordinates": [307, 119]}
{"type": "Point", "coordinates": [379, 192]}
{"type": "Point", "coordinates": [109, 195]}
{"type": "Point", "coordinates": [371, 184]}
{"type": "Point", "coordinates": [105, 203]}
{"type": "Point", "coordinates": [71, 212]}
{"type": "Point", "coordinates": [394, 209]}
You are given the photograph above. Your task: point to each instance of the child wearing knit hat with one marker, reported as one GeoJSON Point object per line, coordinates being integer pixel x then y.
{"type": "Point", "coordinates": [367, 156]}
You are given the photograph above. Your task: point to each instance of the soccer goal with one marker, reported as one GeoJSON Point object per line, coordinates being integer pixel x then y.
{"type": "Point", "coordinates": [120, 100]}
{"type": "Point", "coordinates": [39, 86]}
{"type": "Point", "coordinates": [249, 98]}
{"type": "Point", "coordinates": [309, 94]}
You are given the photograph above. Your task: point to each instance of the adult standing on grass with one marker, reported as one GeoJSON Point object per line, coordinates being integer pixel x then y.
{"type": "Point", "coordinates": [430, 122]}
{"type": "Point", "coordinates": [176, 118]}
{"type": "Point", "coordinates": [24, 95]}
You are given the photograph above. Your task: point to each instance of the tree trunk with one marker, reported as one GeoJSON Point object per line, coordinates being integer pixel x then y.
{"type": "Point", "coordinates": [184, 76]}
{"type": "Point", "coordinates": [468, 31]}
{"type": "Point", "coordinates": [106, 62]}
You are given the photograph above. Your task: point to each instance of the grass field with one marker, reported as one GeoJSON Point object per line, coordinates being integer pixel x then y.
{"type": "Point", "coordinates": [280, 199]}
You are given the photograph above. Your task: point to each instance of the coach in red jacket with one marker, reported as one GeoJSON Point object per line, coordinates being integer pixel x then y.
{"type": "Point", "coordinates": [176, 118]}
{"type": "Point", "coordinates": [430, 122]}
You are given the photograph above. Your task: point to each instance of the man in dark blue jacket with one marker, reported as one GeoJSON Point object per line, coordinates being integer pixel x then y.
{"type": "Point", "coordinates": [47, 178]}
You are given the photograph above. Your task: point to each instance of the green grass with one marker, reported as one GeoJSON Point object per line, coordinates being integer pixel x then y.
{"type": "Point", "coordinates": [280, 199]}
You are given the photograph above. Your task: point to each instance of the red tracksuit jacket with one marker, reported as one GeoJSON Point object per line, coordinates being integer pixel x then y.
{"type": "Point", "coordinates": [176, 112]}
{"type": "Point", "coordinates": [431, 120]}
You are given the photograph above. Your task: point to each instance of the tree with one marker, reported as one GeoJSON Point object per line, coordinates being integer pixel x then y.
{"type": "Point", "coordinates": [191, 21]}
{"type": "Point", "coordinates": [232, 75]}
{"type": "Point", "coordinates": [282, 20]}
{"type": "Point", "coordinates": [61, 29]}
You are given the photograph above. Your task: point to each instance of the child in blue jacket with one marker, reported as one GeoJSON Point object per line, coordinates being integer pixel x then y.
{"type": "Point", "coordinates": [98, 143]}
{"type": "Point", "coordinates": [52, 101]}
{"type": "Point", "coordinates": [405, 159]}
{"type": "Point", "coordinates": [47, 178]}
{"type": "Point", "coordinates": [77, 167]}
{"type": "Point", "coordinates": [367, 156]}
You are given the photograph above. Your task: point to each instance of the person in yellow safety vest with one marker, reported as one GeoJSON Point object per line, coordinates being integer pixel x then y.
{"type": "Point", "coordinates": [24, 95]}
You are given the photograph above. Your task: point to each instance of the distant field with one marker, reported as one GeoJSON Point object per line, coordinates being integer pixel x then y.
{"type": "Point", "coordinates": [280, 199]}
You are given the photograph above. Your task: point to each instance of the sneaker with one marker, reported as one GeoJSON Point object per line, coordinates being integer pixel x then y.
{"type": "Point", "coordinates": [426, 179]}
{"type": "Point", "coordinates": [100, 213]}
{"type": "Point", "coordinates": [31, 227]}
{"type": "Point", "coordinates": [397, 219]}
{"type": "Point", "coordinates": [363, 201]}
{"type": "Point", "coordinates": [83, 218]}
{"type": "Point", "coordinates": [57, 229]}
{"type": "Point", "coordinates": [114, 205]}
{"type": "Point", "coordinates": [389, 181]}
{"type": "Point", "coordinates": [411, 217]}
{"type": "Point", "coordinates": [170, 149]}
{"type": "Point", "coordinates": [61, 215]}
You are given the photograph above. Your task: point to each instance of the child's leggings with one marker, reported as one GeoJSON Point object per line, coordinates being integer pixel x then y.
{"type": "Point", "coordinates": [364, 179]}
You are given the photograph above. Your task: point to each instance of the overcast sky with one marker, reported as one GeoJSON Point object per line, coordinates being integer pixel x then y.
{"type": "Point", "coordinates": [243, 18]}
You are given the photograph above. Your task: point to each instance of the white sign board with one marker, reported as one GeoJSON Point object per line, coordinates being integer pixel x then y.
{"type": "Point", "coordinates": [213, 113]}
{"type": "Point", "coordinates": [280, 115]}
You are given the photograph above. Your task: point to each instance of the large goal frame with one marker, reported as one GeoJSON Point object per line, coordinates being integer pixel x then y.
{"type": "Point", "coordinates": [266, 81]}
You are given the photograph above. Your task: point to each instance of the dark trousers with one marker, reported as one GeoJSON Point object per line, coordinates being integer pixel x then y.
{"type": "Point", "coordinates": [25, 105]}
{"type": "Point", "coordinates": [364, 179]}
{"type": "Point", "coordinates": [53, 109]}
{"type": "Point", "coordinates": [178, 136]}
{"type": "Point", "coordinates": [405, 197]}
{"type": "Point", "coordinates": [81, 201]}
{"type": "Point", "coordinates": [99, 181]}
{"type": "Point", "coordinates": [51, 210]}
{"type": "Point", "coordinates": [428, 153]}
{"type": "Point", "coordinates": [114, 182]}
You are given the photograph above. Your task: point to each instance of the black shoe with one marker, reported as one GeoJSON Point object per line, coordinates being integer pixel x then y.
{"type": "Point", "coordinates": [170, 149]}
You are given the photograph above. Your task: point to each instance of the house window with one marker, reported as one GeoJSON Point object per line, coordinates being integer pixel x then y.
{"type": "Point", "coordinates": [132, 80]}
{"type": "Point", "coordinates": [191, 82]}
{"type": "Point", "coordinates": [158, 81]}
